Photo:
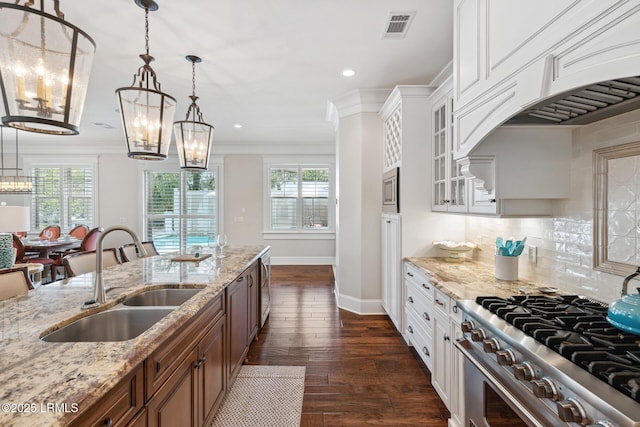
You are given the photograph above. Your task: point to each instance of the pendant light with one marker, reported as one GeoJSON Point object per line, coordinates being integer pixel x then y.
{"type": "Point", "coordinates": [193, 136]}
{"type": "Point", "coordinates": [45, 63]}
{"type": "Point", "coordinates": [147, 112]}
{"type": "Point", "coordinates": [14, 183]}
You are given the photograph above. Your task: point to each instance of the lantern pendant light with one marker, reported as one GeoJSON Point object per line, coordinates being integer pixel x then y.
{"type": "Point", "coordinates": [147, 112]}
{"type": "Point", "coordinates": [14, 183]}
{"type": "Point", "coordinates": [193, 136]}
{"type": "Point", "coordinates": [45, 63]}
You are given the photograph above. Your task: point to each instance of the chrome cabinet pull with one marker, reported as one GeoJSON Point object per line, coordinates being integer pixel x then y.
{"type": "Point", "coordinates": [439, 302]}
{"type": "Point", "coordinates": [425, 351]}
{"type": "Point", "coordinates": [409, 274]}
{"type": "Point", "coordinates": [410, 329]}
{"type": "Point", "coordinates": [454, 308]}
{"type": "Point", "coordinates": [410, 299]}
{"type": "Point", "coordinates": [425, 316]}
{"type": "Point", "coordinates": [424, 285]}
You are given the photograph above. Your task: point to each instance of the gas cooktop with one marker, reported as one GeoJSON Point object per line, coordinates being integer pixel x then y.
{"type": "Point", "coordinates": [577, 329]}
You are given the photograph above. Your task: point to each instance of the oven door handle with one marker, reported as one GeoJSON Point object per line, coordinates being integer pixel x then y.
{"type": "Point", "coordinates": [463, 346]}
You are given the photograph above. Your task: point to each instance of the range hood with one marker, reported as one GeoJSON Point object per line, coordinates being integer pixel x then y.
{"type": "Point", "coordinates": [584, 105]}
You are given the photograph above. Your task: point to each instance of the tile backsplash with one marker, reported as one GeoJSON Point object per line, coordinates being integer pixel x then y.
{"type": "Point", "coordinates": [564, 241]}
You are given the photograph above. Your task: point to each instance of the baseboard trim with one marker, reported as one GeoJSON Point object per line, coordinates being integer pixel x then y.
{"type": "Point", "coordinates": [360, 306]}
{"type": "Point", "coordinates": [303, 260]}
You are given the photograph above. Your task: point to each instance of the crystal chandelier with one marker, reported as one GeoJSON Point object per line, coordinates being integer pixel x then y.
{"type": "Point", "coordinates": [147, 112]}
{"type": "Point", "coordinates": [14, 183]}
{"type": "Point", "coordinates": [45, 63]}
{"type": "Point", "coordinates": [193, 136]}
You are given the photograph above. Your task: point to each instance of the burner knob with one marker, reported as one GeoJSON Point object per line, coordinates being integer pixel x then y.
{"type": "Point", "coordinates": [506, 357]}
{"type": "Point", "coordinates": [545, 388]}
{"type": "Point", "coordinates": [491, 345]}
{"type": "Point", "coordinates": [524, 371]}
{"type": "Point", "coordinates": [478, 335]}
{"type": "Point", "coordinates": [467, 326]}
{"type": "Point", "coordinates": [571, 411]}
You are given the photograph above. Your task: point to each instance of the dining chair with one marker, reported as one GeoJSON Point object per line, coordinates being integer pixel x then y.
{"type": "Point", "coordinates": [129, 252]}
{"type": "Point", "coordinates": [50, 232]}
{"type": "Point", "coordinates": [14, 282]}
{"type": "Point", "coordinates": [22, 257]}
{"type": "Point", "coordinates": [89, 243]}
{"type": "Point", "coordinates": [79, 231]}
{"type": "Point", "coordinates": [85, 262]}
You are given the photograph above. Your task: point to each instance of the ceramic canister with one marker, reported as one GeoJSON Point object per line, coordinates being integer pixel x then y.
{"type": "Point", "coordinates": [7, 256]}
{"type": "Point", "coordinates": [506, 267]}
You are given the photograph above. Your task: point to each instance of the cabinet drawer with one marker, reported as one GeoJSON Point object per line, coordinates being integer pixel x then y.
{"type": "Point", "coordinates": [162, 362]}
{"type": "Point", "coordinates": [441, 302]}
{"type": "Point", "coordinates": [421, 306]}
{"type": "Point", "coordinates": [422, 280]}
{"type": "Point", "coordinates": [119, 405]}
{"type": "Point", "coordinates": [421, 340]}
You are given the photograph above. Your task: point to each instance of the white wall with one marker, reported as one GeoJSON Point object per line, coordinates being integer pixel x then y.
{"type": "Point", "coordinates": [121, 196]}
{"type": "Point", "coordinates": [565, 241]}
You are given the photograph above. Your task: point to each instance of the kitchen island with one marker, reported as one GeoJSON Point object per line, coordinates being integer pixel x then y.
{"type": "Point", "coordinates": [49, 383]}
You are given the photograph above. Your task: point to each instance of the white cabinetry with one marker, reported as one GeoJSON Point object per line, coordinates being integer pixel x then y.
{"type": "Point", "coordinates": [391, 268]}
{"type": "Point", "coordinates": [449, 184]}
{"type": "Point", "coordinates": [509, 55]}
{"type": "Point", "coordinates": [432, 323]}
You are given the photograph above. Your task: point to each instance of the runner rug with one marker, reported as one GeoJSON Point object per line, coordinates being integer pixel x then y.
{"type": "Point", "coordinates": [263, 396]}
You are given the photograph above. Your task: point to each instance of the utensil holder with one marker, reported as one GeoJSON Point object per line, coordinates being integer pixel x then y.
{"type": "Point", "coordinates": [506, 267]}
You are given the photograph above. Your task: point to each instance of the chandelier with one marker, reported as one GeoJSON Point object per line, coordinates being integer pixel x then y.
{"type": "Point", "coordinates": [193, 136]}
{"type": "Point", "coordinates": [147, 112]}
{"type": "Point", "coordinates": [13, 184]}
{"type": "Point", "coordinates": [45, 63]}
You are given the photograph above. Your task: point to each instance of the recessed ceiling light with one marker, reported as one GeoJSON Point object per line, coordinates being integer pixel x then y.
{"type": "Point", "coordinates": [348, 72]}
{"type": "Point", "coordinates": [237, 126]}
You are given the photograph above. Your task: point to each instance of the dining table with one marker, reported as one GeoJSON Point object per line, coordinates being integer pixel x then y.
{"type": "Point", "coordinates": [45, 247]}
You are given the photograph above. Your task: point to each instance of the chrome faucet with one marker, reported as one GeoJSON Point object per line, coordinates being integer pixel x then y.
{"type": "Point", "coordinates": [99, 293]}
{"type": "Point", "coordinates": [625, 282]}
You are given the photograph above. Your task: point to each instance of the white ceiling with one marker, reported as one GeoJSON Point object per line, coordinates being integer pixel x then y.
{"type": "Point", "coordinates": [270, 65]}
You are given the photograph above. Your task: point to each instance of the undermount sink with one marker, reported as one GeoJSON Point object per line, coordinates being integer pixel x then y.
{"type": "Point", "coordinates": [118, 324]}
{"type": "Point", "coordinates": [162, 297]}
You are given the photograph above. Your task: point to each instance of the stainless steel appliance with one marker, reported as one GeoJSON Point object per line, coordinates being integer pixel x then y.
{"type": "Point", "coordinates": [391, 191]}
{"type": "Point", "coordinates": [547, 361]}
{"type": "Point", "coordinates": [265, 287]}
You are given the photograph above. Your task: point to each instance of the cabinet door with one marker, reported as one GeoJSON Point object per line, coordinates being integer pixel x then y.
{"type": "Point", "coordinates": [238, 318]}
{"type": "Point", "coordinates": [391, 265]}
{"type": "Point", "coordinates": [254, 299]}
{"type": "Point", "coordinates": [212, 373]}
{"type": "Point", "coordinates": [449, 184]}
{"type": "Point", "coordinates": [441, 377]}
{"type": "Point", "coordinates": [174, 403]}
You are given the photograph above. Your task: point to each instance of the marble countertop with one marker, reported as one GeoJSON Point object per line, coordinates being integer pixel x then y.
{"type": "Point", "coordinates": [36, 375]}
{"type": "Point", "coordinates": [470, 279]}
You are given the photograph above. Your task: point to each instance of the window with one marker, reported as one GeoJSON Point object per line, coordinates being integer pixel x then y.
{"type": "Point", "coordinates": [298, 198]}
{"type": "Point", "coordinates": [64, 196]}
{"type": "Point", "coordinates": [181, 209]}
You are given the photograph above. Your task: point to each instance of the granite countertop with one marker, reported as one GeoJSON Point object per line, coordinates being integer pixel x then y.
{"type": "Point", "coordinates": [35, 375]}
{"type": "Point", "coordinates": [470, 279]}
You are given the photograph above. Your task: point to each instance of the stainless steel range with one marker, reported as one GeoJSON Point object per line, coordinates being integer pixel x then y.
{"type": "Point", "coordinates": [547, 361]}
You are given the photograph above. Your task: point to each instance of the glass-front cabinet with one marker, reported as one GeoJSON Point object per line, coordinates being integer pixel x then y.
{"type": "Point", "coordinates": [449, 185]}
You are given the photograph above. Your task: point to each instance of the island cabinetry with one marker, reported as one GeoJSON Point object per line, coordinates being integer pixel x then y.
{"type": "Point", "coordinates": [242, 315]}
{"type": "Point", "coordinates": [197, 381]}
{"type": "Point", "coordinates": [119, 405]}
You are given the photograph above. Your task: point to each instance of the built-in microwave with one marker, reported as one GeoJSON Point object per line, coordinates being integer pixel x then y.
{"type": "Point", "coordinates": [391, 191]}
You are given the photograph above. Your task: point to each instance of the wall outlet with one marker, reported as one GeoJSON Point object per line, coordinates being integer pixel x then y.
{"type": "Point", "coordinates": [533, 254]}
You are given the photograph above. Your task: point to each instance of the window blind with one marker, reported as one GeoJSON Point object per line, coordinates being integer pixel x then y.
{"type": "Point", "coordinates": [63, 196]}
{"type": "Point", "coordinates": [180, 209]}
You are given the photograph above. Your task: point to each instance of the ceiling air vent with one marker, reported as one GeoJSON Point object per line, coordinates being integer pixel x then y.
{"type": "Point", "coordinates": [398, 25]}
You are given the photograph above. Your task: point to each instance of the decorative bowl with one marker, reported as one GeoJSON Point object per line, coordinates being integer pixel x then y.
{"type": "Point", "coordinates": [455, 250]}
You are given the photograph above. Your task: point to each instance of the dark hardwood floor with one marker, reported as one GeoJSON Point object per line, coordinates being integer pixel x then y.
{"type": "Point", "coordinates": [359, 370]}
